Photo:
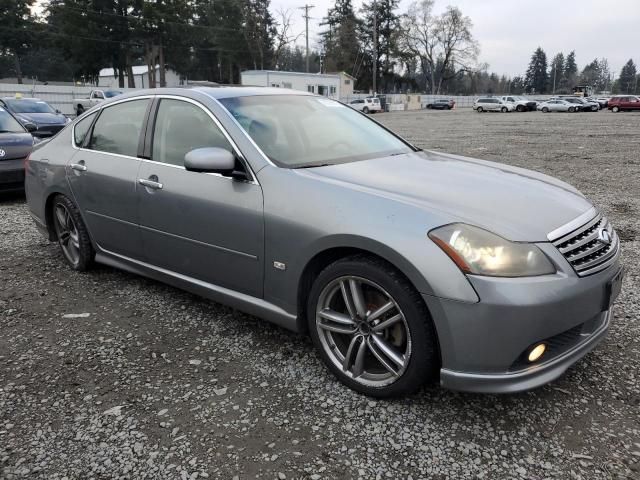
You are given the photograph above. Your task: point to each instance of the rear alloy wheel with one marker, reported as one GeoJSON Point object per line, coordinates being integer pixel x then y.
{"type": "Point", "coordinates": [365, 110]}
{"type": "Point", "coordinates": [615, 109]}
{"type": "Point", "coordinates": [372, 328]}
{"type": "Point", "coordinates": [72, 234]}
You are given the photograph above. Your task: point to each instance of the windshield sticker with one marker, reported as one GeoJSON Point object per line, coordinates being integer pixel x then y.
{"type": "Point", "coordinates": [330, 103]}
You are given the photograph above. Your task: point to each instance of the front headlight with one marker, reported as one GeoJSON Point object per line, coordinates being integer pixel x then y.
{"type": "Point", "coordinates": [480, 252]}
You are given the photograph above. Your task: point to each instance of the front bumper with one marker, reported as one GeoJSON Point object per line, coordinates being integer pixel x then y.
{"type": "Point", "coordinates": [12, 175]}
{"type": "Point", "coordinates": [482, 344]}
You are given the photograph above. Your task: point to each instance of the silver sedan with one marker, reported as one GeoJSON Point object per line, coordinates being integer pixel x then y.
{"type": "Point", "coordinates": [403, 266]}
{"type": "Point", "coordinates": [557, 106]}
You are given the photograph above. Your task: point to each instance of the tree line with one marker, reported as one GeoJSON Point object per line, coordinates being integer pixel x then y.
{"type": "Point", "coordinates": [417, 50]}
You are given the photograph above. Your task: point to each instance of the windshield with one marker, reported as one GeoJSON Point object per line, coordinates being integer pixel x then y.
{"type": "Point", "coordinates": [112, 93]}
{"type": "Point", "coordinates": [8, 123]}
{"type": "Point", "coordinates": [29, 106]}
{"type": "Point", "coordinates": [306, 131]}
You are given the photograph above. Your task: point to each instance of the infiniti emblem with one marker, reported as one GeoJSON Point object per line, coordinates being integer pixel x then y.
{"type": "Point", "coordinates": [2, 153]}
{"type": "Point", "coordinates": [604, 237]}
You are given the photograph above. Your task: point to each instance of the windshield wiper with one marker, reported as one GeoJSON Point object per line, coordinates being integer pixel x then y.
{"type": "Point", "coordinates": [315, 165]}
{"type": "Point", "coordinates": [8, 131]}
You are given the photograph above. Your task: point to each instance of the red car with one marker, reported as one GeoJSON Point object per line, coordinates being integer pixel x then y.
{"type": "Point", "coordinates": [621, 103]}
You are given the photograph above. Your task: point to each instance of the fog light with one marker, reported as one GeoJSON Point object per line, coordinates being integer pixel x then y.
{"type": "Point", "coordinates": [536, 352]}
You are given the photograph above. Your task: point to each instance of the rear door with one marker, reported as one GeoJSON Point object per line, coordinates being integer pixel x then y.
{"type": "Point", "coordinates": [103, 173]}
{"type": "Point", "coordinates": [632, 103]}
{"type": "Point", "coordinates": [205, 226]}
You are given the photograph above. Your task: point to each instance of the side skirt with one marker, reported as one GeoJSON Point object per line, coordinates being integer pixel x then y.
{"type": "Point", "coordinates": [245, 303]}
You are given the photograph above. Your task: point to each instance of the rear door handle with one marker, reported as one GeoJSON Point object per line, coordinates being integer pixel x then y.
{"type": "Point", "coordinates": [150, 184]}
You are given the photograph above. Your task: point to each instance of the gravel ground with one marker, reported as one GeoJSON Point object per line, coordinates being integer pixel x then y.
{"type": "Point", "coordinates": [108, 375]}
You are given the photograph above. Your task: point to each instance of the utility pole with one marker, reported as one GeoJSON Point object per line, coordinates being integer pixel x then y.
{"type": "Point", "coordinates": [306, 9]}
{"type": "Point", "coordinates": [554, 78]}
{"type": "Point", "coordinates": [375, 47]}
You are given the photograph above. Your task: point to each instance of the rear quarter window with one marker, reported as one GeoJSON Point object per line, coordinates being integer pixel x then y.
{"type": "Point", "coordinates": [81, 129]}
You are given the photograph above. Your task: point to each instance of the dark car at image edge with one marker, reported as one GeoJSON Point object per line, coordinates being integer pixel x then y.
{"type": "Point", "coordinates": [15, 146]}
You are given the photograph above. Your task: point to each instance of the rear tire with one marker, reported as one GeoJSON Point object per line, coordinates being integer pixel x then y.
{"type": "Point", "coordinates": [615, 109]}
{"type": "Point", "coordinates": [79, 110]}
{"type": "Point", "coordinates": [571, 109]}
{"type": "Point", "coordinates": [365, 110]}
{"type": "Point", "coordinates": [480, 110]}
{"type": "Point", "coordinates": [380, 341]}
{"type": "Point", "coordinates": [73, 236]}
{"type": "Point", "coordinates": [504, 109]}
{"type": "Point", "coordinates": [545, 110]}
{"type": "Point", "coordinates": [520, 108]}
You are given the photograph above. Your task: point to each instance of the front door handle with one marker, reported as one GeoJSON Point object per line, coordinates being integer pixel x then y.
{"type": "Point", "coordinates": [79, 167]}
{"type": "Point", "coordinates": [150, 183]}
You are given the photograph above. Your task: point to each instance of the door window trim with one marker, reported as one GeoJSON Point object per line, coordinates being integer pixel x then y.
{"type": "Point", "coordinates": [99, 111]}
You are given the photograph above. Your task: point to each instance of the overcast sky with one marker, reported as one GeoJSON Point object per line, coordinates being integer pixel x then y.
{"type": "Point", "coordinates": [509, 30]}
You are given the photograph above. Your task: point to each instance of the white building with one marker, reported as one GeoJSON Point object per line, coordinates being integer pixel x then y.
{"type": "Point", "coordinates": [333, 85]}
{"type": "Point", "coordinates": [109, 79]}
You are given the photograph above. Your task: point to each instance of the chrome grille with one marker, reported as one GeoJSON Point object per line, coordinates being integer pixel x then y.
{"type": "Point", "coordinates": [584, 250]}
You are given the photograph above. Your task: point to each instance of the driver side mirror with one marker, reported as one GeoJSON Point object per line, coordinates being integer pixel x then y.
{"type": "Point", "coordinates": [30, 127]}
{"type": "Point", "coordinates": [210, 160]}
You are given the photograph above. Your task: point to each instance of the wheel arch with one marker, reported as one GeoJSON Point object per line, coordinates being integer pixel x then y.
{"type": "Point", "coordinates": [329, 254]}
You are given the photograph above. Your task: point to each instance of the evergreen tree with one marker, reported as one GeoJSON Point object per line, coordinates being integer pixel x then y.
{"type": "Point", "coordinates": [15, 31]}
{"type": "Point", "coordinates": [537, 77]}
{"type": "Point", "coordinates": [388, 28]}
{"type": "Point", "coordinates": [628, 82]}
{"type": "Point", "coordinates": [570, 71]}
{"type": "Point", "coordinates": [340, 41]}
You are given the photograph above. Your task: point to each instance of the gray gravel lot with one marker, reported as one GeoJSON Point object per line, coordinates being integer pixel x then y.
{"type": "Point", "coordinates": [158, 383]}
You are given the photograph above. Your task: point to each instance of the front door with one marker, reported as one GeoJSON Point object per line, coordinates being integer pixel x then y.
{"type": "Point", "coordinates": [205, 226]}
{"type": "Point", "coordinates": [103, 173]}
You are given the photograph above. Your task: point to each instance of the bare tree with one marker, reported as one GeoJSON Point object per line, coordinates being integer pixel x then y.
{"type": "Point", "coordinates": [284, 35]}
{"type": "Point", "coordinates": [443, 43]}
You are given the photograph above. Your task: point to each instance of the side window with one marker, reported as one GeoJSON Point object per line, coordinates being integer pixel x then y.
{"type": "Point", "coordinates": [181, 127]}
{"type": "Point", "coordinates": [118, 128]}
{"type": "Point", "coordinates": [81, 129]}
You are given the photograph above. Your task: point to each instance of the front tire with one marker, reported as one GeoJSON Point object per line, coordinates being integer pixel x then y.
{"type": "Point", "coordinates": [615, 109]}
{"type": "Point", "coordinates": [72, 234]}
{"type": "Point", "coordinates": [480, 110]}
{"type": "Point", "coordinates": [504, 109]}
{"type": "Point", "coordinates": [372, 328]}
{"type": "Point", "coordinates": [571, 109]}
{"type": "Point", "coordinates": [79, 110]}
{"type": "Point", "coordinates": [545, 110]}
{"type": "Point", "coordinates": [520, 108]}
{"type": "Point", "coordinates": [365, 110]}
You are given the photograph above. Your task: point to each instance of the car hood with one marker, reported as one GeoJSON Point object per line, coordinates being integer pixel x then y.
{"type": "Point", "coordinates": [44, 118]}
{"type": "Point", "coordinates": [15, 145]}
{"type": "Point", "coordinates": [518, 204]}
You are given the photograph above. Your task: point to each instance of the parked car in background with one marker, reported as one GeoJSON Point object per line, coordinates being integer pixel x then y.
{"type": "Point", "coordinates": [366, 105]}
{"type": "Point", "coordinates": [522, 104]}
{"type": "Point", "coordinates": [577, 103]}
{"type": "Point", "coordinates": [621, 103]}
{"type": "Point", "coordinates": [588, 104]}
{"type": "Point", "coordinates": [403, 266]}
{"type": "Point", "coordinates": [95, 97]}
{"type": "Point", "coordinates": [493, 104]}
{"type": "Point", "coordinates": [442, 104]}
{"type": "Point", "coordinates": [15, 145]}
{"type": "Point", "coordinates": [558, 105]}
{"type": "Point", "coordinates": [47, 120]}
{"type": "Point", "coordinates": [603, 101]}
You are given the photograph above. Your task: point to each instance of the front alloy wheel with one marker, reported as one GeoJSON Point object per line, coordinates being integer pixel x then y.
{"type": "Point", "coordinates": [371, 328]}
{"type": "Point", "coordinates": [363, 331]}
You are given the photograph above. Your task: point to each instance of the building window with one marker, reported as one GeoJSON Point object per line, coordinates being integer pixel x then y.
{"type": "Point", "coordinates": [347, 82]}
{"type": "Point", "coordinates": [333, 90]}
{"type": "Point", "coordinates": [275, 85]}
{"type": "Point", "coordinates": [311, 89]}
{"type": "Point", "coordinates": [286, 85]}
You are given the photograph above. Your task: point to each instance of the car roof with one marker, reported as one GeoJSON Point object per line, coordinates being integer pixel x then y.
{"type": "Point", "coordinates": [217, 92]}
{"type": "Point", "coordinates": [22, 98]}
